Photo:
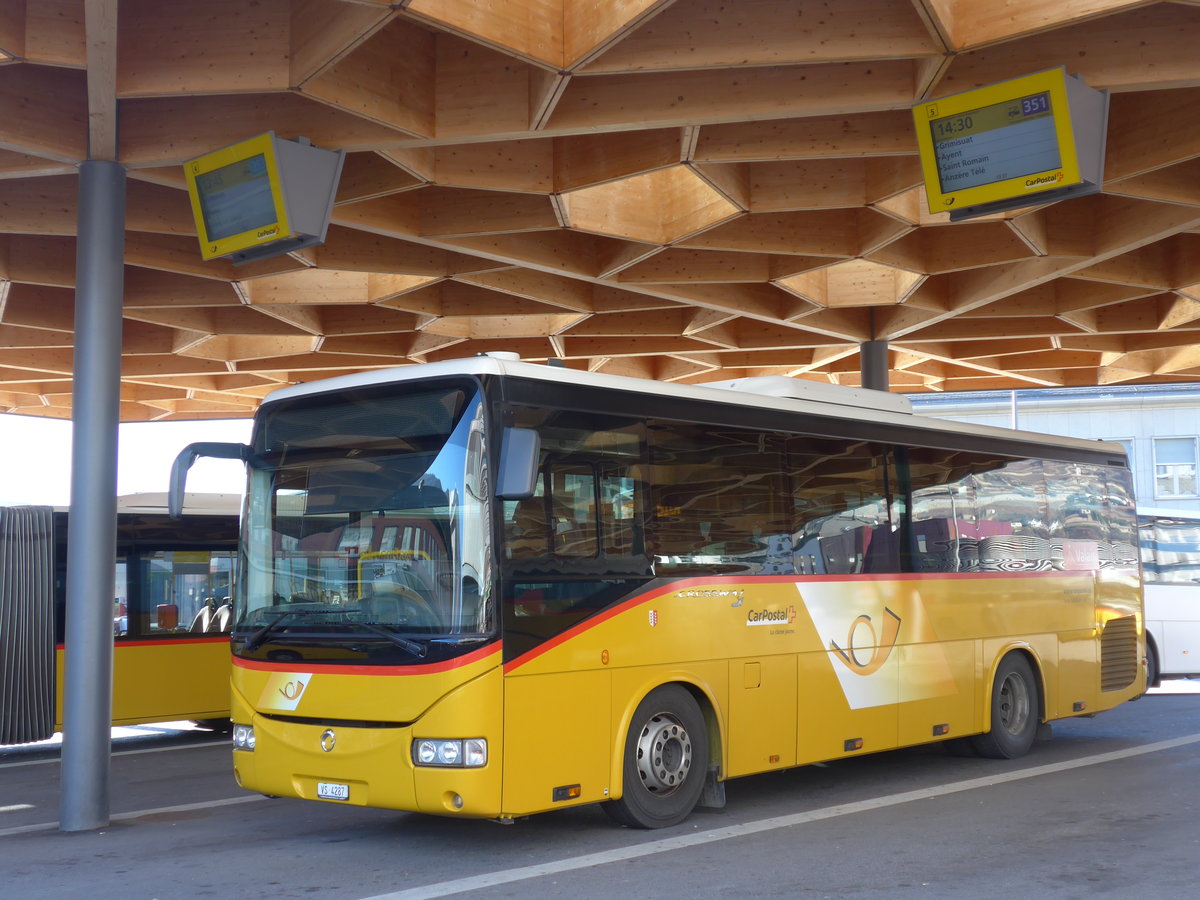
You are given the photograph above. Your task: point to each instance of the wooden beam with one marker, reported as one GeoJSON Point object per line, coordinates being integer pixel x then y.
{"type": "Point", "coordinates": [151, 288]}
{"type": "Point", "coordinates": [1111, 52]}
{"type": "Point", "coordinates": [480, 91]}
{"type": "Point", "coordinates": [545, 90]}
{"type": "Point", "coordinates": [100, 17]}
{"type": "Point", "coordinates": [321, 32]}
{"type": "Point", "coordinates": [767, 33]}
{"type": "Point", "coordinates": [608, 102]}
{"type": "Point", "coordinates": [586, 160]}
{"type": "Point", "coordinates": [1133, 148]}
{"type": "Point", "coordinates": [657, 207]}
{"type": "Point", "coordinates": [368, 175]}
{"type": "Point", "coordinates": [591, 27]}
{"type": "Point", "coordinates": [757, 300]}
{"type": "Point", "coordinates": [568, 293]}
{"type": "Point", "coordinates": [831, 233]}
{"type": "Point", "coordinates": [390, 79]}
{"type": "Point", "coordinates": [888, 133]}
{"type": "Point", "coordinates": [12, 30]}
{"type": "Point", "coordinates": [55, 33]}
{"type": "Point", "coordinates": [45, 112]}
{"type": "Point", "coordinates": [680, 266]}
{"type": "Point", "coordinates": [525, 166]}
{"type": "Point", "coordinates": [38, 259]}
{"type": "Point", "coordinates": [40, 205]}
{"type": "Point", "coordinates": [38, 306]}
{"type": "Point", "coordinates": [976, 23]}
{"type": "Point", "coordinates": [218, 47]}
{"type": "Point", "coordinates": [451, 212]}
{"type": "Point", "coordinates": [558, 251]}
{"type": "Point", "coordinates": [22, 165]}
{"type": "Point", "coordinates": [1179, 183]}
{"type": "Point", "coordinates": [807, 184]}
{"type": "Point", "coordinates": [528, 29]}
{"type": "Point", "coordinates": [199, 124]}
{"type": "Point", "coordinates": [651, 322]}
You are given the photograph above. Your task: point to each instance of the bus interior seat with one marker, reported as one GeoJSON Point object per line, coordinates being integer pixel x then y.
{"type": "Point", "coordinates": [219, 622]}
{"type": "Point", "coordinates": [527, 534]}
{"type": "Point", "coordinates": [202, 621]}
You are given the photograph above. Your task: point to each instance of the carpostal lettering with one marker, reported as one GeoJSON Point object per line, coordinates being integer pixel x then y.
{"type": "Point", "coordinates": [770, 616]}
{"type": "Point", "coordinates": [1043, 179]}
{"type": "Point", "coordinates": [264, 233]}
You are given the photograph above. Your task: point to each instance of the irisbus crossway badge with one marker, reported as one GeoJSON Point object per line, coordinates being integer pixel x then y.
{"type": "Point", "coordinates": [328, 740]}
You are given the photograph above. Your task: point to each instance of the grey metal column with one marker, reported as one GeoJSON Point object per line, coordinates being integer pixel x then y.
{"type": "Point", "coordinates": [873, 361]}
{"type": "Point", "coordinates": [92, 529]}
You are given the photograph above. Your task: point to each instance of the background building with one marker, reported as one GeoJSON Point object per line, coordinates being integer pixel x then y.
{"type": "Point", "coordinates": [1159, 425]}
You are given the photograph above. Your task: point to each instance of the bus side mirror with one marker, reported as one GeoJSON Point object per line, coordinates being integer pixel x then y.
{"type": "Point", "coordinates": [519, 453]}
{"type": "Point", "coordinates": [189, 455]}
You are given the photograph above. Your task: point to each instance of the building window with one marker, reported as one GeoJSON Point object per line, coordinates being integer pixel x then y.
{"type": "Point", "coordinates": [1127, 443]}
{"type": "Point", "coordinates": [1174, 467]}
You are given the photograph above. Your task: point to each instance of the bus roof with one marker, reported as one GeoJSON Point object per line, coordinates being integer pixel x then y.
{"type": "Point", "coordinates": [769, 392]}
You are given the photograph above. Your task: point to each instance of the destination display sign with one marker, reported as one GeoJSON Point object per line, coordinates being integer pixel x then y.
{"type": "Point", "coordinates": [262, 197]}
{"type": "Point", "coordinates": [1017, 143]}
{"type": "Point", "coordinates": [995, 143]}
{"type": "Point", "coordinates": [236, 198]}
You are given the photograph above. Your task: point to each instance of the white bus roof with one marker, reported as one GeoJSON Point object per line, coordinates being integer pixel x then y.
{"type": "Point", "coordinates": [770, 392]}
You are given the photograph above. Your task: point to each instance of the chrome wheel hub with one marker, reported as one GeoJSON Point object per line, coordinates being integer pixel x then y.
{"type": "Point", "coordinates": [664, 754]}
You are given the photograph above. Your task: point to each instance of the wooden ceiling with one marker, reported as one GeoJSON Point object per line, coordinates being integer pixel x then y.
{"type": "Point", "coordinates": [687, 190]}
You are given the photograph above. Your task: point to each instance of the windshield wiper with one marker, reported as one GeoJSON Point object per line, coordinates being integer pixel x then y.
{"type": "Point", "coordinates": [259, 637]}
{"type": "Point", "coordinates": [417, 650]}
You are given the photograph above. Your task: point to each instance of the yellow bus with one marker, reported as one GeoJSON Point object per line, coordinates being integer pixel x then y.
{"type": "Point", "coordinates": [171, 614]}
{"type": "Point", "coordinates": [487, 588]}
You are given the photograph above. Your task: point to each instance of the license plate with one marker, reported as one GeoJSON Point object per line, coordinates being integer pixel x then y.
{"type": "Point", "coordinates": [328, 790]}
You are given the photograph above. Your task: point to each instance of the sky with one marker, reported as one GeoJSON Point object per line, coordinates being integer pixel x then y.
{"type": "Point", "coordinates": [35, 458]}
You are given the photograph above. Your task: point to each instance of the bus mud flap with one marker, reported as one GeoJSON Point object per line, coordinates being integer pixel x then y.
{"type": "Point", "coordinates": [713, 794]}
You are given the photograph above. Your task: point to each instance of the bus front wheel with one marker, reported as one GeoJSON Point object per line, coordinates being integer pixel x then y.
{"type": "Point", "coordinates": [666, 758]}
{"type": "Point", "coordinates": [1015, 711]}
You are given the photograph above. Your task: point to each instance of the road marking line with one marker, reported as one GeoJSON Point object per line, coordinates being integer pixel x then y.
{"type": "Point", "coordinates": [686, 841]}
{"type": "Point", "coordinates": [222, 745]}
{"type": "Point", "coordinates": [125, 817]}
{"type": "Point", "coordinates": [16, 807]}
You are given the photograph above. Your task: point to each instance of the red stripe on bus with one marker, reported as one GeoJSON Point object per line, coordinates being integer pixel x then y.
{"type": "Point", "coordinates": [161, 642]}
{"type": "Point", "coordinates": [447, 665]}
{"type": "Point", "coordinates": [686, 583]}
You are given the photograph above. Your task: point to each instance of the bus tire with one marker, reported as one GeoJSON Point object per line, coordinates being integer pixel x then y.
{"type": "Point", "coordinates": [1151, 665]}
{"type": "Point", "coordinates": [666, 758]}
{"type": "Point", "coordinates": [1015, 711]}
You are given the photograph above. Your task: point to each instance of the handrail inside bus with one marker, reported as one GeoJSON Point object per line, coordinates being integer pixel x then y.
{"type": "Point", "coordinates": [187, 456]}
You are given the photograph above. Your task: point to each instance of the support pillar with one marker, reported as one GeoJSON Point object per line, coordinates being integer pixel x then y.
{"type": "Point", "coordinates": [92, 524]}
{"type": "Point", "coordinates": [873, 361]}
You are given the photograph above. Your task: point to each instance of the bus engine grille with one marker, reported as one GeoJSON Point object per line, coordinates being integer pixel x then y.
{"type": "Point", "coordinates": [1118, 653]}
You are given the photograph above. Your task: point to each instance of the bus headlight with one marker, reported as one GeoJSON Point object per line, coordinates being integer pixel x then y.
{"type": "Point", "coordinates": [469, 754]}
{"type": "Point", "coordinates": [243, 737]}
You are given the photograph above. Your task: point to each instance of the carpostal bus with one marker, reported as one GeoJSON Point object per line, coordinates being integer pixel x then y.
{"type": "Point", "coordinates": [488, 588]}
{"type": "Point", "coordinates": [171, 614]}
{"type": "Point", "coordinates": [1170, 548]}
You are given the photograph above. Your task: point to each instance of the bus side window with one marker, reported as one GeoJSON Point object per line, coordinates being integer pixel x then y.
{"type": "Point", "coordinates": [574, 496]}
{"type": "Point", "coordinates": [526, 528]}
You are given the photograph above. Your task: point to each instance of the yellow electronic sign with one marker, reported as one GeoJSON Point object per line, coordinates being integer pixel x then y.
{"type": "Point", "coordinates": [1029, 140]}
{"type": "Point", "coordinates": [237, 197]}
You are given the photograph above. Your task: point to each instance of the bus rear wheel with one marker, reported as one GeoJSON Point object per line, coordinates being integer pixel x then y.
{"type": "Point", "coordinates": [1015, 711]}
{"type": "Point", "coordinates": [666, 758]}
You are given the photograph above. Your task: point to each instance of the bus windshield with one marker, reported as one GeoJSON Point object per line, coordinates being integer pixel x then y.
{"type": "Point", "coordinates": [368, 536]}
